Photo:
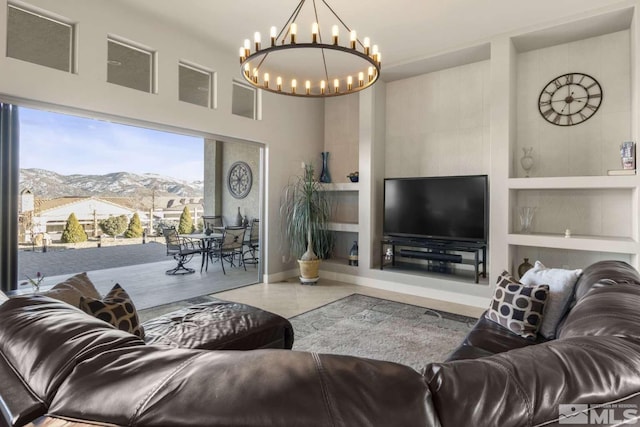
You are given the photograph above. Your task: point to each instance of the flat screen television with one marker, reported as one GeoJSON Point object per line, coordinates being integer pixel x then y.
{"type": "Point", "coordinates": [439, 208]}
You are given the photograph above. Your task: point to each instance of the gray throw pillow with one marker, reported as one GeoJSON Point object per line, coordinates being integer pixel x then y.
{"type": "Point", "coordinates": [517, 307]}
{"type": "Point", "coordinates": [561, 284]}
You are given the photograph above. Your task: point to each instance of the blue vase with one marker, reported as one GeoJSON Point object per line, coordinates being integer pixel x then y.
{"type": "Point", "coordinates": [324, 175]}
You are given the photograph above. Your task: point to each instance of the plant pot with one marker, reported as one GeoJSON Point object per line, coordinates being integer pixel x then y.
{"type": "Point", "coordinates": [309, 270]}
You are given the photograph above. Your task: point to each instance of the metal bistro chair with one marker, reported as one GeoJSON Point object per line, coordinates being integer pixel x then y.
{"type": "Point", "coordinates": [231, 245]}
{"type": "Point", "coordinates": [213, 223]}
{"type": "Point", "coordinates": [181, 249]}
{"type": "Point", "coordinates": [253, 244]}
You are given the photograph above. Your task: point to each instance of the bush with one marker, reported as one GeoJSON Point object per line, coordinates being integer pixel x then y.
{"type": "Point", "coordinates": [135, 227]}
{"type": "Point", "coordinates": [73, 231]}
{"type": "Point", "coordinates": [186, 222]}
{"type": "Point", "coordinates": [114, 225]}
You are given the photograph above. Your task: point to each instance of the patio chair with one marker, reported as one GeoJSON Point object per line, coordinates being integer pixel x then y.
{"type": "Point", "coordinates": [181, 249]}
{"type": "Point", "coordinates": [230, 246]}
{"type": "Point", "coordinates": [252, 244]}
{"type": "Point", "coordinates": [213, 223]}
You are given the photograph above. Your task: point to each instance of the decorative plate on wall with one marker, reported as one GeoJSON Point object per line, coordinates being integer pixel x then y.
{"type": "Point", "coordinates": [239, 180]}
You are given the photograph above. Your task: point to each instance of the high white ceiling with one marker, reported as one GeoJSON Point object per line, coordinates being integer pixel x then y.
{"type": "Point", "coordinates": [405, 30]}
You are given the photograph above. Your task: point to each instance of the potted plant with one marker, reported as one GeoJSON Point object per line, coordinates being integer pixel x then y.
{"type": "Point", "coordinates": [305, 211]}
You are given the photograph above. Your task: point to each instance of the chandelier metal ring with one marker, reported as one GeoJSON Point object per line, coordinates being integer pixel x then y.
{"type": "Point", "coordinates": [336, 77]}
{"type": "Point", "coordinates": [357, 85]}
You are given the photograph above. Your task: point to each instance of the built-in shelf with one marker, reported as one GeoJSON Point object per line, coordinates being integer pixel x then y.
{"type": "Point", "coordinates": [340, 186]}
{"type": "Point", "coordinates": [573, 182]}
{"type": "Point", "coordinates": [344, 226]}
{"type": "Point", "coordinates": [578, 243]}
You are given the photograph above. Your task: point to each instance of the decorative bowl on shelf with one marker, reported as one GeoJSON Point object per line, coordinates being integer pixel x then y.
{"type": "Point", "coordinates": [353, 176]}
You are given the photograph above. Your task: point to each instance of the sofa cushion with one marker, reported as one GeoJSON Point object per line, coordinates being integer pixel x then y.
{"type": "Point", "coordinates": [561, 284]}
{"type": "Point", "coordinates": [607, 309]}
{"type": "Point", "coordinates": [605, 271]}
{"type": "Point", "coordinates": [41, 341]}
{"type": "Point", "coordinates": [524, 387]}
{"type": "Point", "coordinates": [179, 387]}
{"type": "Point", "coordinates": [115, 308]}
{"type": "Point", "coordinates": [517, 307]}
{"type": "Point", "coordinates": [72, 289]}
{"type": "Point", "coordinates": [487, 338]}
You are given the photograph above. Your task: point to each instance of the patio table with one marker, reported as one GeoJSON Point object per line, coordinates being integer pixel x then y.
{"type": "Point", "coordinates": [206, 242]}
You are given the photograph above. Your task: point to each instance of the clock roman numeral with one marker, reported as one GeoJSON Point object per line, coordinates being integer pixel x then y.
{"type": "Point", "coordinates": [542, 103]}
{"type": "Point", "coordinates": [591, 107]}
{"type": "Point", "coordinates": [556, 119]}
{"type": "Point", "coordinates": [557, 83]}
{"type": "Point", "coordinates": [548, 112]}
{"type": "Point", "coordinates": [569, 79]}
{"type": "Point", "coordinates": [595, 95]}
{"type": "Point", "coordinates": [569, 120]}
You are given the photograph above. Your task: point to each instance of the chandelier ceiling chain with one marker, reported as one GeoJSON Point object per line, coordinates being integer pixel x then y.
{"type": "Point", "coordinates": [360, 59]}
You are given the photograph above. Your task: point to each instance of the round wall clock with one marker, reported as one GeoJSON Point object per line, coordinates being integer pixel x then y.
{"type": "Point", "coordinates": [570, 99]}
{"type": "Point", "coordinates": [239, 180]}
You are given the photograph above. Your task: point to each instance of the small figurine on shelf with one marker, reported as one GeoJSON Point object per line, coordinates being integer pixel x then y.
{"type": "Point", "coordinates": [354, 176]}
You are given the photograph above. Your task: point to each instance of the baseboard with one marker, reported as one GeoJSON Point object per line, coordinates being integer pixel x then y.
{"type": "Point", "coordinates": [280, 276]}
{"type": "Point", "coordinates": [437, 294]}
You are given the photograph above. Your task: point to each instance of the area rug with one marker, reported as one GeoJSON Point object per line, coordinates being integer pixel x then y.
{"type": "Point", "coordinates": [375, 328]}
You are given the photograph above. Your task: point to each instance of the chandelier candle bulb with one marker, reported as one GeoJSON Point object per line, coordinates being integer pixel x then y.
{"type": "Point", "coordinates": [266, 80]}
{"type": "Point", "coordinates": [257, 40]}
{"type": "Point", "coordinates": [247, 47]}
{"type": "Point", "coordinates": [367, 45]}
{"type": "Point", "coordinates": [336, 85]}
{"type": "Point", "coordinates": [247, 69]}
{"type": "Point", "coordinates": [354, 39]}
{"type": "Point", "coordinates": [241, 52]}
{"type": "Point", "coordinates": [294, 32]}
{"type": "Point", "coordinates": [370, 73]}
{"type": "Point", "coordinates": [273, 34]}
{"type": "Point", "coordinates": [314, 32]}
{"type": "Point", "coordinates": [307, 86]}
{"type": "Point", "coordinates": [335, 32]}
{"type": "Point", "coordinates": [279, 83]}
{"type": "Point", "coordinates": [349, 83]}
{"type": "Point", "coordinates": [323, 87]}
{"type": "Point", "coordinates": [361, 78]}
{"type": "Point", "coordinates": [255, 75]}
{"type": "Point", "coordinates": [294, 83]}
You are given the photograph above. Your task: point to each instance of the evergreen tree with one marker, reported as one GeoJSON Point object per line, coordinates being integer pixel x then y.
{"type": "Point", "coordinates": [135, 227]}
{"type": "Point", "coordinates": [114, 225]}
{"type": "Point", "coordinates": [73, 231]}
{"type": "Point", "coordinates": [186, 222]}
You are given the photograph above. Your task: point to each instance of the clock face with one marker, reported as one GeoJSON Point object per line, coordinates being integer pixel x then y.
{"type": "Point", "coordinates": [570, 99]}
{"type": "Point", "coordinates": [239, 180]}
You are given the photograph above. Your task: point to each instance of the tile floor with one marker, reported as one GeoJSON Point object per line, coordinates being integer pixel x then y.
{"type": "Point", "coordinates": [290, 298]}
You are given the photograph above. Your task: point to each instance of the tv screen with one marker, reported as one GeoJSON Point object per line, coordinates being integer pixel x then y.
{"type": "Point", "coordinates": [450, 208]}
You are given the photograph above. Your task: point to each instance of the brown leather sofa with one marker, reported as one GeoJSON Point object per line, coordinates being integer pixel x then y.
{"type": "Point", "coordinates": [61, 367]}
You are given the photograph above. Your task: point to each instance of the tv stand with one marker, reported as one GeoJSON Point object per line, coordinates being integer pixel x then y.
{"type": "Point", "coordinates": [441, 252]}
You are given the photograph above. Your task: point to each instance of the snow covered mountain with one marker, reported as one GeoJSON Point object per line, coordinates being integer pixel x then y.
{"type": "Point", "coordinates": [46, 184]}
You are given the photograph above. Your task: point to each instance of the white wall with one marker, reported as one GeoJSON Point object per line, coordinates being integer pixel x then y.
{"type": "Point", "coordinates": [291, 128]}
{"type": "Point", "coordinates": [438, 123]}
{"type": "Point", "coordinates": [592, 147]}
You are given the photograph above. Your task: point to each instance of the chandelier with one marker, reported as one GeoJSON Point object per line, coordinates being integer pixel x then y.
{"type": "Point", "coordinates": [312, 67]}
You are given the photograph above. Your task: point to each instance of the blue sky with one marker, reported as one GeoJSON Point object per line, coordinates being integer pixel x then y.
{"type": "Point", "coordinates": [74, 145]}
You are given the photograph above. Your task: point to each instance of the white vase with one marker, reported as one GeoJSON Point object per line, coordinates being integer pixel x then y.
{"type": "Point", "coordinates": [526, 161]}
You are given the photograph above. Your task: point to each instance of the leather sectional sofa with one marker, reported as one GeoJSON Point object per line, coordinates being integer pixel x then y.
{"type": "Point", "coordinates": [61, 367]}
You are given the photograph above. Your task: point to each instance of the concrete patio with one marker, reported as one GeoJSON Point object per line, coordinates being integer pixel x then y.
{"type": "Point", "coordinates": [139, 269]}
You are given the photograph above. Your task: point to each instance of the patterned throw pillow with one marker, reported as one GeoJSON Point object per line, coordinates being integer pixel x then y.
{"type": "Point", "coordinates": [115, 308]}
{"type": "Point", "coordinates": [518, 307]}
